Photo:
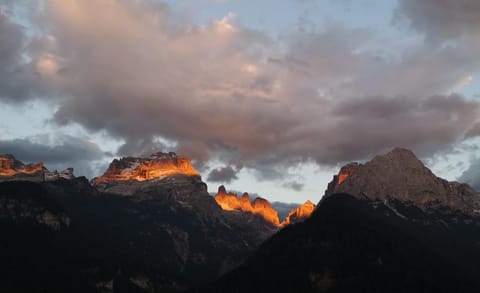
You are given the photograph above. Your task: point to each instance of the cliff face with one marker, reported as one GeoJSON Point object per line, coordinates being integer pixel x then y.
{"type": "Point", "coordinates": [12, 169]}
{"type": "Point", "coordinates": [345, 172]}
{"type": "Point", "coordinates": [263, 208]}
{"type": "Point", "coordinates": [157, 166]}
{"type": "Point", "coordinates": [401, 176]}
{"type": "Point", "coordinates": [259, 206]}
{"type": "Point", "coordinates": [300, 213]}
{"type": "Point", "coordinates": [9, 166]}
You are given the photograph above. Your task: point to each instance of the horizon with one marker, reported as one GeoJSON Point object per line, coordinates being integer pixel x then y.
{"type": "Point", "coordinates": [238, 193]}
{"type": "Point", "coordinates": [268, 98]}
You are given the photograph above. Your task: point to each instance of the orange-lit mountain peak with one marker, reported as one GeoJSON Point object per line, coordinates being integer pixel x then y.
{"type": "Point", "coordinates": [9, 166]}
{"type": "Point", "coordinates": [345, 172]}
{"type": "Point", "coordinates": [300, 213]}
{"type": "Point", "coordinates": [230, 201]}
{"type": "Point", "coordinates": [260, 206]}
{"type": "Point", "coordinates": [245, 198]}
{"type": "Point", "coordinates": [157, 166]}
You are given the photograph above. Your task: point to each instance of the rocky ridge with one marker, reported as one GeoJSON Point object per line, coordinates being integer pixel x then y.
{"type": "Point", "coordinates": [300, 213]}
{"type": "Point", "coordinates": [12, 169]}
{"type": "Point", "coordinates": [262, 207]}
{"type": "Point", "coordinates": [157, 166]}
{"type": "Point", "coordinates": [389, 225]}
{"type": "Point", "coordinates": [400, 175]}
{"type": "Point", "coordinates": [164, 229]}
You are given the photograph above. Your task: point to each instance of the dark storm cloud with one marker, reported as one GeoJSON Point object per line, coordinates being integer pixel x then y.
{"type": "Point", "coordinates": [17, 77]}
{"type": "Point", "coordinates": [225, 175]}
{"type": "Point", "coordinates": [293, 185]}
{"type": "Point", "coordinates": [141, 147]}
{"type": "Point", "coordinates": [402, 121]}
{"type": "Point", "coordinates": [57, 152]}
{"type": "Point", "coordinates": [222, 91]}
{"type": "Point", "coordinates": [270, 115]}
{"type": "Point", "coordinates": [441, 20]}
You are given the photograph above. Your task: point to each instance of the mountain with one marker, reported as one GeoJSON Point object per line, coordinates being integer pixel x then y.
{"type": "Point", "coordinates": [300, 213]}
{"type": "Point", "coordinates": [259, 206]}
{"type": "Point", "coordinates": [262, 207]}
{"type": "Point", "coordinates": [400, 175]}
{"type": "Point", "coordinates": [389, 225]}
{"type": "Point", "coordinates": [12, 169]}
{"type": "Point", "coordinates": [146, 224]}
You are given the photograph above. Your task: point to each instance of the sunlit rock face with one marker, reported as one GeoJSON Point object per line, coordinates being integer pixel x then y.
{"type": "Point", "coordinates": [400, 175]}
{"type": "Point", "coordinates": [345, 172]}
{"type": "Point", "coordinates": [9, 166]}
{"type": "Point", "coordinates": [263, 208]}
{"type": "Point", "coordinates": [259, 206]}
{"type": "Point", "coordinates": [300, 213]}
{"type": "Point", "coordinates": [157, 166]}
{"type": "Point", "coordinates": [12, 169]}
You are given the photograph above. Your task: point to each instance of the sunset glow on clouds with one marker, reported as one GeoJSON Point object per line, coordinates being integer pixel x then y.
{"type": "Point", "coordinates": [144, 76]}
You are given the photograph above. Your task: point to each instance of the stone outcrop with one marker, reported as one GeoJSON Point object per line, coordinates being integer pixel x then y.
{"type": "Point", "coordinates": [262, 207]}
{"type": "Point", "coordinates": [399, 175]}
{"type": "Point", "coordinates": [300, 213]}
{"type": "Point", "coordinates": [12, 169]}
{"type": "Point", "coordinates": [259, 206]}
{"type": "Point", "coordinates": [157, 166]}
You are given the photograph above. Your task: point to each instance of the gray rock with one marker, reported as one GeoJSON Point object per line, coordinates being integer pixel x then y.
{"type": "Point", "coordinates": [400, 175]}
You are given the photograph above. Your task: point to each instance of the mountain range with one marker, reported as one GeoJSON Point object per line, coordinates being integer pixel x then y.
{"type": "Point", "coordinates": [149, 225]}
{"type": "Point", "coordinates": [389, 225]}
{"type": "Point", "coordinates": [146, 223]}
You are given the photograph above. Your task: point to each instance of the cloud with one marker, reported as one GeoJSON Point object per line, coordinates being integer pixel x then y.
{"type": "Point", "coordinates": [441, 20]}
{"type": "Point", "coordinates": [474, 130]}
{"type": "Point", "coordinates": [58, 152]}
{"type": "Point", "coordinates": [225, 175]}
{"type": "Point", "coordinates": [222, 91]}
{"type": "Point", "coordinates": [18, 81]}
{"type": "Point", "coordinates": [472, 174]}
{"type": "Point", "coordinates": [293, 185]}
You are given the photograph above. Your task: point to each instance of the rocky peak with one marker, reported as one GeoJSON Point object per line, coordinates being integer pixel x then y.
{"type": "Point", "coordinates": [300, 213]}
{"type": "Point", "coordinates": [157, 166]}
{"type": "Point", "coordinates": [262, 207]}
{"type": "Point", "coordinates": [9, 166]}
{"type": "Point", "coordinates": [12, 169]}
{"type": "Point", "coordinates": [222, 190]}
{"type": "Point", "coordinates": [259, 206]}
{"type": "Point", "coordinates": [400, 175]}
{"type": "Point", "coordinates": [345, 172]}
{"type": "Point", "coordinates": [245, 197]}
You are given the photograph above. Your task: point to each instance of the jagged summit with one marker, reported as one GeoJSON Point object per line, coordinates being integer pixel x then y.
{"type": "Point", "coordinates": [400, 175]}
{"type": "Point", "coordinates": [10, 166]}
{"type": "Point", "coordinates": [260, 206]}
{"type": "Point", "coordinates": [157, 166]}
{"type": "Point", "coordinates": [222, 190]}
{"type": "Point", "coordinates": [12, 169]}
{"type": "Point", "coordinates": [302, 212]}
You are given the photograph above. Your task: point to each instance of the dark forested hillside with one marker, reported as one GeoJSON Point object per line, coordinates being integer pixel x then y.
{"type": "Point", "coordinates": [352, 245]}
{"type": "Point", "coordinates": [65, 236]}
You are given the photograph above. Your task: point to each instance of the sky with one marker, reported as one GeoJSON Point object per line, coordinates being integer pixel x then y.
{"type": "Point", "coordinates": [269, 97]}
